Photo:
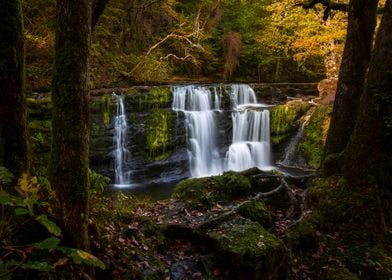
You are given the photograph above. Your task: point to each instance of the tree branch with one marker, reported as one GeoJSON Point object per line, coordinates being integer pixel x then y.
{"type": "Point", "coordinates": [329, 6]}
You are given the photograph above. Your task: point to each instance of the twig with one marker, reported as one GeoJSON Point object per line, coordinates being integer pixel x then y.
{"type": "Point", "coordinates": [21, 253]}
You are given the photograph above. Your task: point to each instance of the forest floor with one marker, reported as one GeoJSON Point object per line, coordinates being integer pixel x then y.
{"type": "Point", "coordinates": [187, 237]}
{"type": "Point", "coordinates": [275, 228]}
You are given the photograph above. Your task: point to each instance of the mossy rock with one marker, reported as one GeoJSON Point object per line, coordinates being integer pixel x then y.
{"type": "Point", "coordinates": [159, 134]}
{"type": "Point", "coordinates": [157, 97]}
{"type": "Point", "coordinates": [285, 119]}
{"type": "Point", "coordinates": [256, 211]}
{"type": "Point", "coordinates": [302, 236]}
{"type": "Point", "coordinates": [315, 135]}
{"type": "Point", "coordinates": [207, 191]}
{"type": "Point", "coordinates": [263, 181]}
{"type": "Point", "coordinates": [249, 251]}
{"type": "Point", "coordinates": [341, 273]}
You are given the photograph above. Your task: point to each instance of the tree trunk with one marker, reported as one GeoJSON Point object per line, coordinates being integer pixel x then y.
{"type": "Point", "coordinates": [368, 157]}
{"type": "Point", "coordinates": [353, 69]}
{"type": "Point", "coordinates": [13, 124]}
{"type": "Point", "coordinates": [70, 148]}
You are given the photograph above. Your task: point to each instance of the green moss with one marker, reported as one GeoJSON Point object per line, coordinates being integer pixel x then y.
{"type": "Point", "coordinates": [106, 109]}
{"type": "Point", "coordinates": [131, 91]}
{"type": "Point", "coordinates": [159, 134]}
{"type": "Point", "coordinates": [207, 191]}
{"type": "Point", "coordinates": [256, 211]}
{"type": "Point", "coordinates": [285, 119]}
{"type": "Point", "coordinates": [315, 135]}
{"type": "Point", "coordinates": [334, 203]}
{"type": "Point", "coordinates": [248, 249]}
{"type": "Point", "coordinates": [302, 236]}
{"type": "Point", "coordinates": [157, 98]}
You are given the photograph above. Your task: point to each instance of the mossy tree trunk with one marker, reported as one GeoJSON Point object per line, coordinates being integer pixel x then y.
{"type": "Point", "coordinates": [368, 156]}
{"type": "Point", "coordinates": [353, 69]}
{"type": "Point", "coordinates": [14, 152]}
{"type": "Point", "coordinates": [70, 147]}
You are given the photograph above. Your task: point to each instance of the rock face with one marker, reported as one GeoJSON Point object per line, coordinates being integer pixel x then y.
{"type": "Point", "coordinates": [156, 136]}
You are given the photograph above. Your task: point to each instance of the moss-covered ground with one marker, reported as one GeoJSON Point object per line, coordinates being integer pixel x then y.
{"type": "Point", "coordinates": [210, 231]}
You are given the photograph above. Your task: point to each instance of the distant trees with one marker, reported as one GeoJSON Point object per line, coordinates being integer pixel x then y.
{"type": "Point", "coordinates": [14, 148]}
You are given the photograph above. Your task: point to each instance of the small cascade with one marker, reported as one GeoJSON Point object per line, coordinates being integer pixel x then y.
{"type": "Point", "coordinates": [243, 95]}
{"type": "Point", "coordinates": [120, 151]}
{"type": "Point", "coordinates": [218, 98]}
{"type": "Point", "coordinates": [196, 104]}
{"type": "Point", "coordinates": [290, 154]}
{"type": "Point", "coordinates": [251, 131]}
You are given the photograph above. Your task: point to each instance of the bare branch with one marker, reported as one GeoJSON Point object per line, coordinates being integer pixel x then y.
{"type": "Point", "coordinates": [170, 55]}
{"type": "Point", "coordinates": [211, 13]}
{"type": "Point", "coordinates": [329, 6]}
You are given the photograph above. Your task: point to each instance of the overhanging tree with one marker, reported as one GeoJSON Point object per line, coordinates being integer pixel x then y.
{"type": "Point", "coordinates": [368, 156]}
{"type": "Point", "coordinates": [353, 69]}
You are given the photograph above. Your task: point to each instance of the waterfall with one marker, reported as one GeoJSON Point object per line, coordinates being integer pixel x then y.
{"type": "Point", "coordinates": [251, 131]}
{"type": "Point", "coordinates": [120, 151]}
{"type": "Point", "coordinates": [290, 153]}
{"type": "Point", "coordinates": [243, 95]}
{"type": "Point", "coordinates": [196, 104]}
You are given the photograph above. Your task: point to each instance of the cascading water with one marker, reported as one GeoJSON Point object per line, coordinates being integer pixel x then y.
{"type": "Point", "coordinates": [290, 154]}
{"type": "Point", "coordinates": [196, 104]}
{"type": "Point", "coordinates": [120, 152]}
{"type": "Point", "coordinates": [251, 131]}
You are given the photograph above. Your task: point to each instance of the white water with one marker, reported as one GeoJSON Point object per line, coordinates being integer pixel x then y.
{"type": "Point", "coordinates": [251, 129]}
{"type": "Point", "coordinates": [120, 152]}
{"type": "Point", "coordinates": [290, 154]}
{"type": "Point", "coordinates": [251, 132]}
{"type": "Point", "coordinates": [196, 104]}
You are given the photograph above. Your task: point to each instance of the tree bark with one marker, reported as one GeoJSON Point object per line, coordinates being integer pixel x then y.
{"type": "Point", "coordinates": [353, 69]}
{"type": "Point", "coordinates": [98, 6]}
{"type": "Point", "coordinates": [14, 148]}
{"type": "Point", "coordinates": [368, 157]}
{"type": "Point", "coordinates": [70, 147]}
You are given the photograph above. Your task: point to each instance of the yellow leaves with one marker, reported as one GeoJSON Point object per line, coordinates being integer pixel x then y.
{"type": "Point", "coordinates": [28, 185]}
{"type": "Point", "coordinates": [325, 128]}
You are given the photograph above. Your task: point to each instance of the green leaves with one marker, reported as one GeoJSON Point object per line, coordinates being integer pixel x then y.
{"type": "Point", "coordinates": [37, 265]}
{"type": "Point", "coordinates": [79, 256]}
{"type": "Point", "coordinates": [6, 176]}
{"type": "Point", "coordinates": [49, 225]}
{"type": "Point", "coordinates": [21, 211]}
{"type": "Point", "coordinates": [10, 200]}
{"type": "Point", "coordinates": [48, 244]}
